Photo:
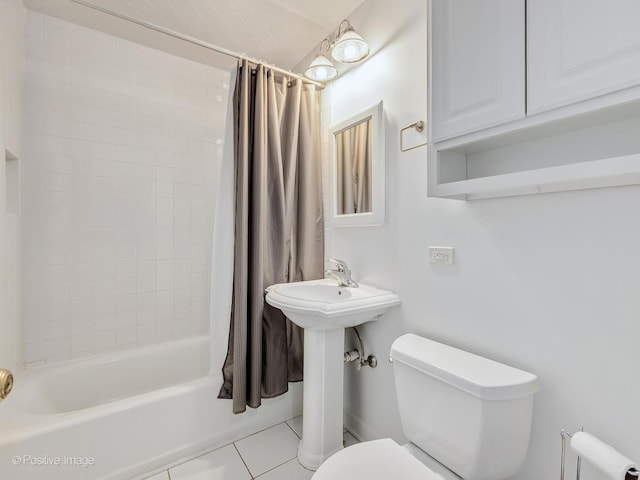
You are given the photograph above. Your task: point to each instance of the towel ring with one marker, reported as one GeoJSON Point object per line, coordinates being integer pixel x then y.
{"type": "Point", "coordinates": [419, 126]}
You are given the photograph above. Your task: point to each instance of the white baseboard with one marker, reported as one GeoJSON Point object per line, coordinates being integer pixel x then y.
{"type": "Point", "coordinates": [359, 428]}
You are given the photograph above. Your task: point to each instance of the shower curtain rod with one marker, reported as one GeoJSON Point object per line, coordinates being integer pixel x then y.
{"type": "Point", "coordinates": [195, 41]}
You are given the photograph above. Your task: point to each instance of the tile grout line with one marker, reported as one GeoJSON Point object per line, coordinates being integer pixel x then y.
{"type": "Point", "coordinates": [243, 462]}
{"type": "Point", "coordinates": [295, 433]}
{"type": "Point", "coordinates": [206, 451]}
{"type": "Point", "coordinates": [199, 455]}
{"type": "Point", "coordinates": [262, 430]}
{"type": "Point", "coordinates": [277, 466]}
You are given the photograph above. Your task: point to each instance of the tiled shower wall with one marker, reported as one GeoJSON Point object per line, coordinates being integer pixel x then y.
{"type": "Point", "coordinates": [122, 151]}
{"type": "Point", "coordinates": [11, 100]}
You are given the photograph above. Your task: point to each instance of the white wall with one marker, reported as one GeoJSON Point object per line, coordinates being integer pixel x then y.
{"type": "Point", "coordinates": [11, 99]}
{"type": "Point", "coordinates": [547, 283]}
{"type": "Point", "coordinates": [122, 152]}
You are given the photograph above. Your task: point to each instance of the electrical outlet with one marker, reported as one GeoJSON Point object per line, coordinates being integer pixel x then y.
{"type": "Point", "coordinates": [442, 255]}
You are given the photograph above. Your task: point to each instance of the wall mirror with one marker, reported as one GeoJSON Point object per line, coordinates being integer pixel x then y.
{"type": "Point", "coordinates": [357, 170]}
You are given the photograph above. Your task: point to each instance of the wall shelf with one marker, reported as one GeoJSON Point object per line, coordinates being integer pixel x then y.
{"type": "Point", "coordinates": [608, 172]}
{"type": "Point", "coordinates": [541, 154]}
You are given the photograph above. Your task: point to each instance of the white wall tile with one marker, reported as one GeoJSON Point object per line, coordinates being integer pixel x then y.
{"type": "Point", "coordinates": [12, 71]}
{"type": "Point", "coordinates": [105, 340]}
{"type": "Point", "coordinates": [116, 153]}
{"type": "Point", "coordinates": [82, 343]}
{"type": "Point", "coordinates": [127, 335]}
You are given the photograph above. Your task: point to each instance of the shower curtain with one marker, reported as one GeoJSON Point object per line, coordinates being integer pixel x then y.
{"type": "Point", "coordinates": [279, 231]}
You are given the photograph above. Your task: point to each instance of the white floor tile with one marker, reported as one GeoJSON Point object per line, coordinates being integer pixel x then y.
{"type": "Point", "coordinates": [291, 470]}
{"type": "Point", "coordinates": [349, 440]}
{"type": "Point", "coordinates": [267, 449]}
{"type": "Point", "coordinates": [221, 464]}
{"type": "Point", "coordinates": [296, 425]}
{"type": "Point", "coordinates": [159, 476]}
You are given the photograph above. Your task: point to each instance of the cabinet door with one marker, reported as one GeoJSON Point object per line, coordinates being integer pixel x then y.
{"type": "Point", "coordinates": [580, 49]}
{"type": "Point", "coordinates": [477, 65]}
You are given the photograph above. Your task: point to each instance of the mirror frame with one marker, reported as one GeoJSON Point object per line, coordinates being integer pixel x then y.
{"type": "Point", "coordinates": [378, 171]}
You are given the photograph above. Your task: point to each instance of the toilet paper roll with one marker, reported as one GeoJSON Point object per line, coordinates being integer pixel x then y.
{"type": "Point", "coordinates": [606, 458]}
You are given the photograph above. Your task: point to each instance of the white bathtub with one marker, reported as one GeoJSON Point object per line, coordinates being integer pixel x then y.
{"type": "Point", "coordinates": [121, 415]}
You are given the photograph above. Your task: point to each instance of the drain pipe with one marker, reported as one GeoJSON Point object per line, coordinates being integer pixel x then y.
{"type": "Point", "coordinates": [359, 355]}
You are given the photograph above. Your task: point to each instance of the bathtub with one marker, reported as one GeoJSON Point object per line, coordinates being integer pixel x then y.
{"type": "Point", "coordinates": [124, 414]}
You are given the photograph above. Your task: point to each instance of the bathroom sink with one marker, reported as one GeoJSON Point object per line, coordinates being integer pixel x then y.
{"type": "Point", "coordinates": [316, 292]}
{"type": "Point", "coordinates": [323, 305]}
{"type": "Point", "coordinates": [324, 309]}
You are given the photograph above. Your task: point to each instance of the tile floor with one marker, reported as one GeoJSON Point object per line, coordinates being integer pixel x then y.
{"type": "Point", "coordinates": [266, 455]}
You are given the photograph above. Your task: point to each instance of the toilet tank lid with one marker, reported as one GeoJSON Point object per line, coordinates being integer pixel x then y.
{"type": "Point", "coordinates": [476, 375]}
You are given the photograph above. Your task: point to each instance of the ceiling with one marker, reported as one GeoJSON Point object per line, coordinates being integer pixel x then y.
{"type": "Point", "coordinates": [279, 32]}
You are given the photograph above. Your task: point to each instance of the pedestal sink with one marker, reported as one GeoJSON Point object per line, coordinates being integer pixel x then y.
{"type": "Point", "coordinates": [324, 310]}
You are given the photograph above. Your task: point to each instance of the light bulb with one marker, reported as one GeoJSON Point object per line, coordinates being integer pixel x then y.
{"type": "Point", "coordinates": [350, 47]}
{"type": "Point", "coordinates": [321, 73]}
{"type": "Point", "coordinates": [350, 52]}
{"type": "Point", "coordinates": [321, 69]}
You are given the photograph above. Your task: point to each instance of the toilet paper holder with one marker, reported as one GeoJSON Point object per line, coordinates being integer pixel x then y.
{"type": "Point", "coordinates": [566, 436]}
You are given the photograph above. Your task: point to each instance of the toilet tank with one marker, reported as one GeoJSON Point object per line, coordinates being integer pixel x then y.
{"type": "Point", "coordinates": [470, 413]}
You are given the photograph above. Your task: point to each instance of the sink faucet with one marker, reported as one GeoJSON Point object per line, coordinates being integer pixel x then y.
{"type": "Point", "coordinates": [341, 273]}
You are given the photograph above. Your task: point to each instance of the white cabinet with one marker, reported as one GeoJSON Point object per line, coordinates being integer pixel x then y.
{"type": "Point", "coordinates": [477, 65]}
{"type": "Point", "coordinates": [580, 49]}
{"type": "Point", "coordinates": [580, 128]}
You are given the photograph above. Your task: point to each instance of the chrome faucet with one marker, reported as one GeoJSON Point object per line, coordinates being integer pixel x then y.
{"type": "Point", "coordinates": [340, 272]}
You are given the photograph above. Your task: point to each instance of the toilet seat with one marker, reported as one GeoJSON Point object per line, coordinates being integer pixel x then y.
{"type": "Point", "coordinates": [376, 460]}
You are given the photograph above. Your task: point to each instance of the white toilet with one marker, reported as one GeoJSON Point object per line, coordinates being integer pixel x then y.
{"type": "Point", "coordinates": [465, 417]}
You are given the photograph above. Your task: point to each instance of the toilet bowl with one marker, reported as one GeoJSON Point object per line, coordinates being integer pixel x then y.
{"type": "Point", "coordinates": [383, 460]}
{"type": "Point", "coordinates": [465, 416]}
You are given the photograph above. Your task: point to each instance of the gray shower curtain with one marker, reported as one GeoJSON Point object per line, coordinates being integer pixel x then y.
{"type": "Point", "coordinates": [279, 231]}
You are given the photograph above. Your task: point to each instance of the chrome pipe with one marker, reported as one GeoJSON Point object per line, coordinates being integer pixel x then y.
{"type": "Point", "coordinates": [351, 356]}
{"type": "Point", "coordinates": [359, 356]}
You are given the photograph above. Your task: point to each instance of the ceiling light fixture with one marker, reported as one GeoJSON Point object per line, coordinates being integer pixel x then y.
{"type": "Point", "coordinates": [349, 47]}
{"type": "Point", "coordinates": [346, 46]}
{"type": "Point", "coordinates": [321, 68]}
